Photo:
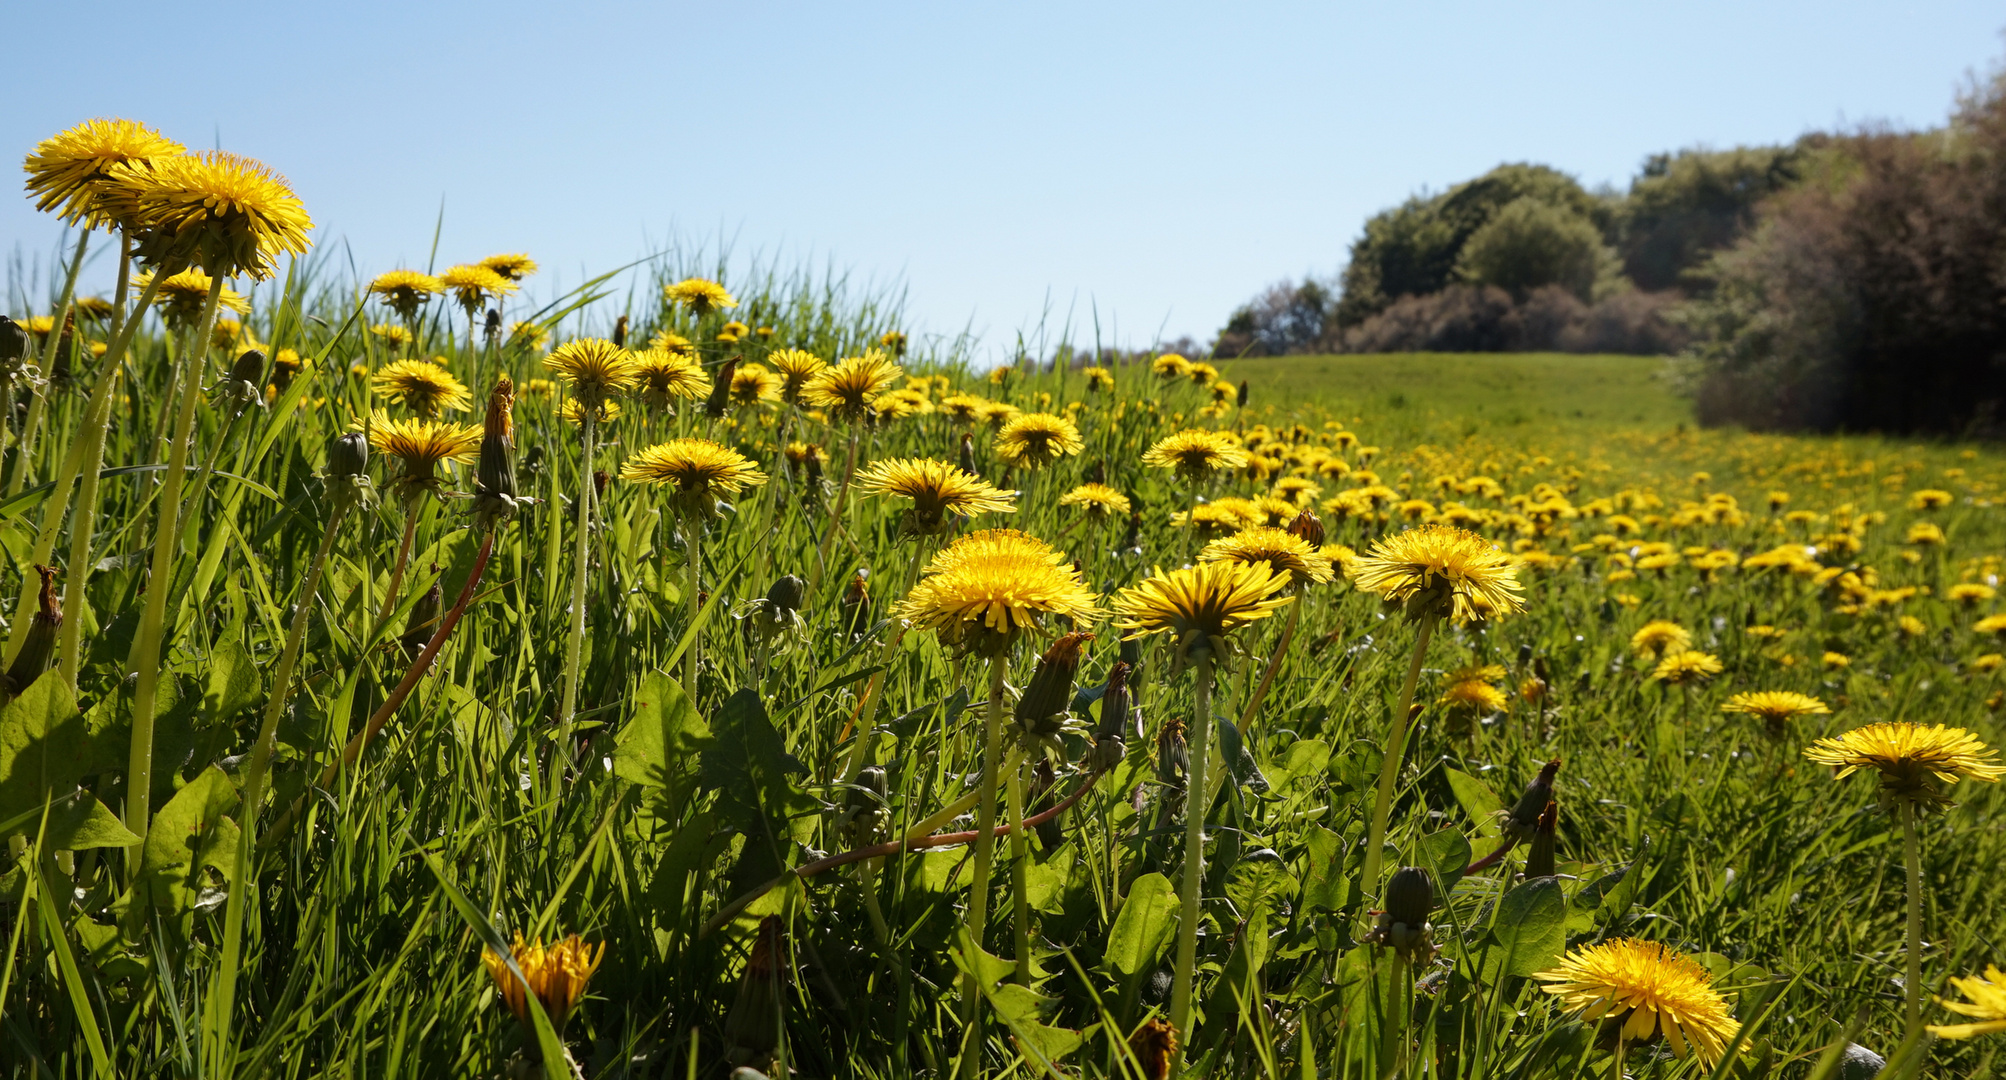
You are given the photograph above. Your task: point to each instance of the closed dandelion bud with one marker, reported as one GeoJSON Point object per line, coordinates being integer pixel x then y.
{"type": "Point", "coordinates": [814, 465]}
{"type": "Point", "coordinates": [1132, 539]}
{"type": "Point", "coordinates": [348, 470]}
{"type": "Point", "coordinates": [857, 602]}
{"type": "Point", "coordinates": [1154, 1045]}
{"type": "Point", "coordinates": [720, 391]}
{"type": "Point", "coordinates": [14, 341]}
{"type": "Point", "coordinates": [1109, 735]}
{"type": "Point", "coordinates": [494, 476]}
{"type": "Point", "coordinates": [620, 332]}
{"type": "Point", "coordinates": [752, 1027]}
{"type": "Point", "coordinates": [967, 457]}
{"type": "Point", "coordinates": [788, 594]}
{"type": "Point", "coordinates": [245, 385]}
{"type": "Point", "coordinates": [1539, 858]}
{"type": "Point", "coordinates": [865, 812]}
{"type": "Point", "coordinates": [1172, 754]}
{"type": "Point", "coordinates": [1308, 528]}
{"type": "Point", "coordinates": [1041, 712]}
{"type": "Point", "coordinates": [66, 349]}
{"type": "Point", "coordinates": [38, 646]}
{"type": "Point", "coordinates": [1526, 811]}
{"type": "Point", "coordinates": [1242, 401]}
{"type": "Point", "coordinates": [493, 325]}
{"type": "Point", "coordinates": [1403, 926]}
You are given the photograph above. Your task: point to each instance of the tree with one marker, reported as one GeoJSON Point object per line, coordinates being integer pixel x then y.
{"type": "Point", "coordinates": [1530, 243]}
{"type": "Point", "coordinates": [1683, 207]}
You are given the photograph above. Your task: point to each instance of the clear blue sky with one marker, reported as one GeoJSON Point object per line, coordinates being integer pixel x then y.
{"type": "Point", "coordinates": [1161, 162]}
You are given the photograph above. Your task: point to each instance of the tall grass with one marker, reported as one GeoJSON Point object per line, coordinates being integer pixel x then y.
{"type": "Point", "coordinates": [374, 882]}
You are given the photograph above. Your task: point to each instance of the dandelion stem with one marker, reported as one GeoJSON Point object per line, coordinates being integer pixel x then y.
{"type": "Point", "coordinates": [411, 507]}
{"type": "Point", "coordinates": [166, 544]}
{"type": "Point", "coordinates": [1912, 859]}
{"type": "Point", "coordinates": [1020, 857]}
{"type": "Point", "coordinates": [985, 848]}
{"type": "Point", "coordinates": [1200, 751]}
{"type": "Point", "coordinates": [694, 525]}
{"type": "Point", "coordinates": [26, 449]}
{"type": "Point", "coordinates": [835, 512]}
{"type": "Point", "coordinates": [1395, 750]}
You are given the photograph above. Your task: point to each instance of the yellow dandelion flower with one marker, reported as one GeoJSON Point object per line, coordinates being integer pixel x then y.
{"type": "Point", "coordinates": [71, 172]}
{"type": "Point", "coordinates": [983, 591]}
{"type": "Point", "coordinates": [732, 331]}
{"type": "Point", "coordinates": [1915, 762]}
{"type": "Point", "coordinates": [701, 470]}
{"type": "Point", "coordinates": [1199, 605]}
{"type": "Point", "coordinates": [1276, 548]}
{"type": "Point", "coordinates": [1930, 499]}
{"type": "Point", "coordinates": [700, 296]}
{"type": "Point", "coordinates": [1171, 366]}
{"type": "Point", "coordinates": [473, 286]}
{"type": "Point", "coordinates": [514, 266]}
{"type": "Point", "coordinates": [900, 404]}
{"type": "Point", "coordinates": [1196, 455]}
{"type": "Point", "coordinates": [1924, 534]}
{"type": "Point", "coordinates": [664, 375]}
{"type": "Point", "coordinates": [1660, 636]}
{"type": "Point", "coordinates": [1653, 991]}
{"type": "Point", "coordinates": [1098, 379]}
{"type": "Point", "coordinates": [1473, 695]}
{"type": "Point", "coordinates": [939, 492]}
{"type": "Point", "coordinates": [1037, 440]}
{"type": "Point", "coordinates": [963, 409]}
{"type": "Point", "coordinates": [406, 290]}
{"type": "Point", "coordinates": [595, 368]}
{"type": "Point", "coordinates": [391, 334]}
{"type": "Point", "coordinates": [998, 413]}
{"type": "Point", "coordinates": [425, 387]}
{"type": "Point", "coordinates": [1686, 667]}
{"type": "Point", "coordinates": [180, 296]}
{"type": "Point", "coordinates": [1441, 570]}
{"type": "Point", "coordinates": [572, 412]}
{"type": "Point", "coordinates": [1835, 660]}
{"type": "Point", "coordinates": [539, 387]}
{"type": "Point", "coordinates": [847, 388]}
{"type": "Point", "coordinates": [754, 384]}
{"type": "Point", "coordinates": [1775, 708]}
{"type": "Point", "coordinates": [1985, 1000]}
{"type": "Point", "coordinates": [227, 214]}
{"type": "Point", "coordinates": [1970, 593]}
{"type": "Point", "coordinates": [670, 341]}
{"type": "Point", "coordinates": [796, 367]}
{"type": "Point", "coordinates": [556, 974]}
{"type": "Point", "coordinates": [421, 445]}
{"type": "Point", "coordinates": [1097, 501]}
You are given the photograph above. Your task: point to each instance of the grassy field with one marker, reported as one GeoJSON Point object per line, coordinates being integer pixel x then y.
{"type": "Point", "coordinates": [1470, 394]}
{"type": "Point", "coordinates": [386, 696]}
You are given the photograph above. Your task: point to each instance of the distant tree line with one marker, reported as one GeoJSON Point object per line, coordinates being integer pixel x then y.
{"type": "Point", "coordinates": [1844, 282]}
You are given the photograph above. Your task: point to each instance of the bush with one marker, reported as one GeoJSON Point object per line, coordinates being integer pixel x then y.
{"type": "Point", "coordinates": [1530, 244]}
{"type": "Point", "coordinates": [1869, 297]}
{"type": "Point", "coordinates": [1484, 318]}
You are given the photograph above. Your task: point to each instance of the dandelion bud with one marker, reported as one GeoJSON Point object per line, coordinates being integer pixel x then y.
{"type": "Point", "coordinates": [493, 326]}
{"type": "Point", "coordinates": [1108, 748]}
{"type": "Point", "coordinates": [38, 646]}
{"type": "Point", "coordinates": [1539, 858]}
{"type": "Point", "coordinates": [856, 602]}
{"type": "Point", "coordinates": [1172, 754]}
{"type": "Point", "coordinates": [814, 464]}
{"type": "Point", "coordinates": [494, 476]}
{"type": "Point", "coordinates": [1525, 813]}
{"type": "Point", "coordinates": [14, 341]}
{"type": "Point", "coordinates": [245, 385]}
{"type": "Point", "coordinates": [1132, 539]}
{"type": "Point", "coordinates": [348, 470]}
{"type": "Point", "coordinates": [620, 332]}
{"type": "Point", "coordinates": [752, 1027]}
{"type": "Point", "coordinates": [967, 457]}
{"type": "Point", "coordinates": [720, 391]}
{"type": "Point", "coordinates": [1242, 402]}
{"type": "Point", "coordinates": [865, 812]}
{"type": "Point", "coordinates": [1154, 1045]}
{"type": "Point", "coordinates": [1403, 926]}
{"type": "Point", "coordinates": [1524, 653]}
{"type": "Point", "coordinates": [1041, 712]}
{"type": "Point", "coordinates": [788, 594]}
{"type": "Point", "coordinates": [1308, 528]}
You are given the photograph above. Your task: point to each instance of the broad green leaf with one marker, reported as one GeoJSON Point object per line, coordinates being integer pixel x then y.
{"type": "Point", "coordinates": [44, 747]}
{"type": "Point", "coordinates": [1325, 886]}
{"type": "Point", "coordinates": [1476, 798]}
{"type": "Point", "coordinates": [190, 836]}
{"type": "Point", "coordinates": [749, 767]}
{"type": "Point", "coordinates": [1143, 928]}
{"type": "Point", "coordinates": [1447, 853]}
{"type": "Point", "coordinates": [1530, 930]}
{"type": "Point", "coordinates": [663, 736]}
{"type": "Point", "coordinates": [1306, 758]}
{"type": "Point", "coordinates": [232, 683]}
{"type": "Point", "coordinates": [82, 822]}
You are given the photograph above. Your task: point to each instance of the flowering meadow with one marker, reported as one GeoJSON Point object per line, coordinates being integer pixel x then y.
{"type": "Point", "coordinates": [693, 675]}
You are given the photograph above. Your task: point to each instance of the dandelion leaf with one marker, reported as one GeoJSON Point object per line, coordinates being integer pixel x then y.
{"type": "Point", "coordinates": [188, 841]}
{"type": "Point", "coordinates": [1530, 931]}
{"type": "Point", "coordinates": [664, 736]}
